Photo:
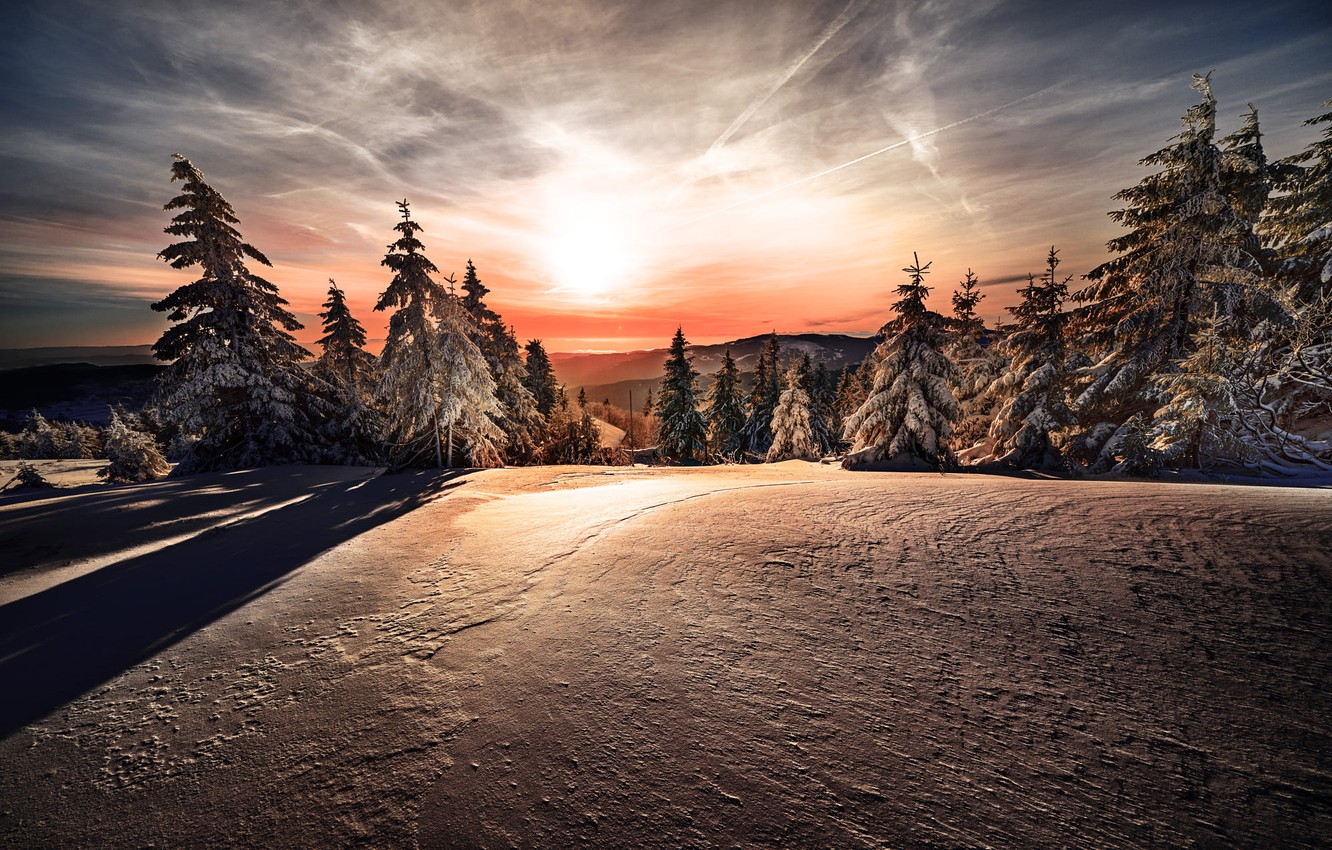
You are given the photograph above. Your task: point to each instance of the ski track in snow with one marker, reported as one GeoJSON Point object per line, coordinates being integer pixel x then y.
{"type": "Point", "coordinates": [787, 655]}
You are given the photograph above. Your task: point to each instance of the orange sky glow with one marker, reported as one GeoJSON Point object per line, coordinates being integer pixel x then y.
{"type": "Point", "coordinates": [614, 170]}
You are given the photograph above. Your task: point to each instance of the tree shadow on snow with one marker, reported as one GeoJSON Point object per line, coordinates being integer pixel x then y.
{"type": "Point", "coordinates": [61, 642]}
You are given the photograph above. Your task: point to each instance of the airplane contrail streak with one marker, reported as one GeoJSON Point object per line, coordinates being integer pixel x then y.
{"type": "Point", "coordinates": [852, 9]}
{"type": "Point", "coordinates": [871, 155]}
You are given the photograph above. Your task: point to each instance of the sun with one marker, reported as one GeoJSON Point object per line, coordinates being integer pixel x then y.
{"type": "Point", "coordinates": [591, 249]}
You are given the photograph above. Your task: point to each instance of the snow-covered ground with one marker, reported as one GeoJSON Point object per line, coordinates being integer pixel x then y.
{"type": "Point", "coordinates": [788, 655]}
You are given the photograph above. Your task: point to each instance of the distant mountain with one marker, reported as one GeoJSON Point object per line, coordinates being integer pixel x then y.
{"type": "Point", "coordinates": [614, 375]}
{"type": "Point", "coordinates": [100, 355]}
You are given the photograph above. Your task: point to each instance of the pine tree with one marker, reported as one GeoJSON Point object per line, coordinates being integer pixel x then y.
{"type": "Point", "coordinates": [1203, 422]}
{"type": "Point", "coordinates": [726, 413]}
{"type": "Point", "coordinates": [235, 383]}
{"type": "Point", "coordinates": [524, 426]}
{"type": "Point", "coordinates": [681, 430]}
{"type": "Point", "coordinates": [133, 454]}
{"type": "Point", "coordinates": [474, 301]}
{"type": "Point", "coordinates": [582, 398]}
{"type": "Point", "coordinates": [468, 407]}
{"type": "Point", "coordinates": [1298, 224]}
{"type": "Point", "coordinates": [821, 388]}
{"type": "Point", "coordinates": [344, 362]}
{"type": "Point", "coordinates": [1189, 252]}
{"type": "Point", "coordinates": [756, 436]}
{"type": "Point", "coordinates": [540, 381]}
{"type": "Point", "coordinates": [792, 436]}
{"type": "Point", "coordinates": [411, 365]}
{"type": "Point", "coordinates": [1031, 392]}
{"type": "Point", "coordinates": [38, 440]}
{"type": "Point", "coordinates": [348, 371]}
{"type": "Point", "coordinates": [966, 323]}
{"type": "Point", "coordinates": [910, 409]}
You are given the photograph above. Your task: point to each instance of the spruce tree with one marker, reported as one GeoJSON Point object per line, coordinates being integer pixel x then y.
{"type": "Point", "coordinates": [910, 409]}
{"type": "Point", "coordinates": [681, 430]}
{"type": "Point", "coordinates": [474, 298]}
{"type": "Point", "coordinates": [540, 379]}
{"type": "Point", "coordinates": [523, 425]}
{"type": "Point", "coordinates": [756, 436]}
{"type": "Point", "coordinates": [1031, 393]}
{"type": "Point", "coordinates": [1298, 224]}
{"type": "Point", "coordinates": [1189, 252]}
{"type": "Point", "coordinates": [412, 367]}
{"type": "Point", "coordinates": [726, 412]}
{"type": "Point", "coordinates": [133, 454]}
{"type": "Point", "coordinates": [821, 387]}
{"type": "Point", "coordinates": [354, 428]}
{"type": "Point", "coordinates": [235, 384]}
{"type": "Point", "coordinates": [468, 406]}
{"type": "Point", "coordinates": [1204, 422]}
{"type": "Point", "coordinates": [792, 436]}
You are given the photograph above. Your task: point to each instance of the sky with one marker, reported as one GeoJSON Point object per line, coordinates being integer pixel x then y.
{"type": "Point", "coordinates": [613, 169]}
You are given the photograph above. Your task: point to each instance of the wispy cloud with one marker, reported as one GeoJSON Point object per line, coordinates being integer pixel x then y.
{"type": "Point", "coordinates": [819, 143]}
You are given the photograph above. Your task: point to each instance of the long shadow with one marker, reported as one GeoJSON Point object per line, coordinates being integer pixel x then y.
{"type": "Point", "coordinates": [60, 643]}
{"type": "Point", "coordinates": [97, 519]}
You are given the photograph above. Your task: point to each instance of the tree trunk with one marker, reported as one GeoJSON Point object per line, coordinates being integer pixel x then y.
{"type": "Point", "coordinates": [450, 445]}
{"type": "Point", "coordinates": [439, 460]}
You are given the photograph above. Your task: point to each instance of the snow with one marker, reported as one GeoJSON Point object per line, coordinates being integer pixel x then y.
{"type": "Point", "coordinates": [785, 654]}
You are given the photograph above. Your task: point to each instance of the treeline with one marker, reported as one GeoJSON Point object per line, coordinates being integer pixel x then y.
{"type": "Point", "coordinates": [1206, 341]}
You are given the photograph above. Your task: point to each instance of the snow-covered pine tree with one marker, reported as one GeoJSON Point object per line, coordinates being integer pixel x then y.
{"type": "Point", "coordinates": [851, 393]}
{"type": "Point", "coordinates": [1031, 394]}
{"type": "Point", "coordinates": [1298, 227]}
{"type": "Point", "coordinates": [523, 425]}
{"type": "Point", "coordinates": [1189, 253]}
{"type": "Point", "coordinates": [756, 436]}
{"type": "Point", "coordinates": [38, 440]}
{"type": "Point", "coordinates": [468, 407]}
{"type": "Point", "coordinates": [792, 437]}
{"type": "Point", "coordinates": [134, 455]}
{"type": "Point", "coordinates": [1204, 423]}
{"type": "Point", "coordinates": [354, 428]}
{"type": "Point", "coordinates": [344, 362]}
{"type": "Point", "coordinates": [540, 381]}
{"type": "Point", "coordinates": [821, 387]}
{"type": "Point", "coordinates": [681, 431]}
{"type": "Point", "coordinates": [474, 298]}
{"type": "Point", "coordinates": [910, 409]}
{"type": "Point", "coordinates": [978, 365]}
{"type": "Point", "coordinates": [411, 364]}
{"type": "Point", "coordinates": [726, 409]}
{"type": "Point", "coordinates": [235, 384]}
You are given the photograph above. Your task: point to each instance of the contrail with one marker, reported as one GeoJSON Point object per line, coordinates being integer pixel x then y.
{"type": "Point", "coordinates": [852, 9]}
{"type": "Point", "coordinates": [855, 7]}
{"type": "Point", "coordinates": [872, 154]}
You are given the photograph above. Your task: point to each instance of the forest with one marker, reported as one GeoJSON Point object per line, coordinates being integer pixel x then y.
{"type": "Point", "coordinates": [1204, 342]}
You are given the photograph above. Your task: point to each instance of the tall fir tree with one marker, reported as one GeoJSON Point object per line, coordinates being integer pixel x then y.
{"type": "Point", "coordinates": [792, 436]}
{"type": "Point", "coordinates": [1189, 252]}
{"type": "Point", "coordinates": [235, 384]}
{"type": "Point", "coordinates": [474, 297]}
{"type": "Point", "coordinates": [1298, 223]}
{"type": "Point", "coordinates": [681, 431]}
{"type": "Point", "coordinates": [468, 406]}
{"type": "Point", "coordinates": [354, 428]}
{"type": "Point", "coordinates": [1031, 393]}
{"type": "Point", "coordinates": [540, 380]}
{"type": "Point", "coordinates": [726, 410]}
{"type": "Point", "coordinates": [412, 366]}
{"type": "Point", "coordinates": [910, 409]}
{"type": "Point", "coordinates": [756, 436]}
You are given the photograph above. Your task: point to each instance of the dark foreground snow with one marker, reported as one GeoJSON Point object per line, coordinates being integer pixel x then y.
{"type": "Point", "coordinates": [790, 656]}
